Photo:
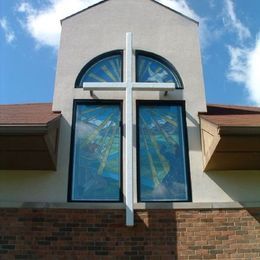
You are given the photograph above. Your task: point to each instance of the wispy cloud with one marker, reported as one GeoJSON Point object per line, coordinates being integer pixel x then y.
{"type": "Point", "coordinates": [8, 32]}
{"type": "Point", "coordinates": [232, 22]}
{"type": "Point", "coordinates": [253, 79]}
{"type": "Point", "coordinates": [181, 6]}
{"type": "Point", "coordinates": [244, 69]}
{"type": "Point", "coordinates": [43, 24]}
{"type": "Point", "coordinates": [212, 3]}
{"type": "Point", "coordinates": [244, 59]}
{"type": "Point", "coordinates": [238, 66]}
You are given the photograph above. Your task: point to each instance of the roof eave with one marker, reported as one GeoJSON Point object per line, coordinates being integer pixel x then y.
{"type": "Point", "coordinates": [23, 129]}
{"type": "Point", "coordinates": [238, 130]}
{"type": "Point", "coordinates": [233, 129]}
{"type": "Point", "coordinates": [9, 129]}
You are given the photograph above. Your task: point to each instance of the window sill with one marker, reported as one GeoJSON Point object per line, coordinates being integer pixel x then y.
{"type": "Point", "coordinates": [137, 206]}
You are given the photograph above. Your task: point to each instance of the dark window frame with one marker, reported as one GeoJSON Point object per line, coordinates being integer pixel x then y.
{"type": "Point", "coordinates": [97, 59]}
{"type": "Point", "coordinates": [72, 140]}
{"type": "Point", "coordinates": [160, 59]}
{"type": "Point", "coordinates": [180, 103]}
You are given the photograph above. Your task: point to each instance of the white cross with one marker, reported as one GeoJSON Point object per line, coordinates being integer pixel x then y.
{"type": "Point", "coordinates": [129, 86]}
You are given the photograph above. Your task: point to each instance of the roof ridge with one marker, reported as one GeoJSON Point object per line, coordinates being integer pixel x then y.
{"type": "Point", "coordinates": [230, 105]}
{"type": "Point", "coordinates": [156, 1]}
{"type": "Point", "coordinates": [232, 109]}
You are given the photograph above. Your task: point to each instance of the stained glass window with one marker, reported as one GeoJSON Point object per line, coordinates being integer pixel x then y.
{"type": "Point", "coordinates": [96, 173]}
{"type": "Point", "coordinates": [104, 68]}
{"type": "Point", "coordinates": [162, 166]}
{"type": "Point", "coordinates": [152, 68]}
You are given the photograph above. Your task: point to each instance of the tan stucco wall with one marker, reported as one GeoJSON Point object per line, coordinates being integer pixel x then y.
{"type": "Point", "coordinates": [156, 29]}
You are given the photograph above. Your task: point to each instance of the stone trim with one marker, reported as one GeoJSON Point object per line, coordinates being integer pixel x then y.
{"type": "Point", "coordinates": [96, 205]}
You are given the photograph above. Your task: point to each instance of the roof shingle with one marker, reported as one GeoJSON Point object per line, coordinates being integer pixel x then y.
{"type": "Point", "coordinates": [234, 116]}
{"type": "Point", "coordinates": [27, 114]}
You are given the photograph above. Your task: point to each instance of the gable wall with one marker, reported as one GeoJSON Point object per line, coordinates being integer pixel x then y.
{"type": "Point", "coordinates": [155, 29]}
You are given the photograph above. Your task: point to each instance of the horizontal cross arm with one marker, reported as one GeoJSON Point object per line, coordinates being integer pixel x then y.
{"type": "Point", "coordinates": [104, 86]}
{"type": "Point", "coordinates": [154, 86]}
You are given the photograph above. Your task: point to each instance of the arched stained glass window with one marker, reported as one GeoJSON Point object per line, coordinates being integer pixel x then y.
{"type": "Point", "coordinates": [107, 67]}
{"type": "Point", "coordinates": [153, 68]}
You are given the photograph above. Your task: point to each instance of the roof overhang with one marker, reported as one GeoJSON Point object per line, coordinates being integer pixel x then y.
{"type": "Point", "coordinates": [230, 147]}
{"type": "Point", "coordinates": [29, 146]}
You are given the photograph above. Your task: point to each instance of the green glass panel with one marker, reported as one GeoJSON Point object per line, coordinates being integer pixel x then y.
{"type": "Point", "coordinates": [97, 145]}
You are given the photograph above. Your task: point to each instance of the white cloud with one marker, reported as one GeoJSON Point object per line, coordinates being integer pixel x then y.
{"type": "Point", "coordinates": [206, 36]}
{"type": "Point", "coordinates": [212, 4]}
{"type": "Point", "coordinates": [253, 82]}
{"type": "Point", "coordinates": [244, 69]}
{"type": "Point", "coordinates": [8, 32]}
{"type": "Point", "coordinates": [43, 24]}
{"type": "Point", "coordinates": [238, 64]}
{"type": "Point", "coordinates": [244, 60]}
{"type": "Point", "coordinates": [180, 6]}
{"type": "Point", "coordinates": [233, 23]}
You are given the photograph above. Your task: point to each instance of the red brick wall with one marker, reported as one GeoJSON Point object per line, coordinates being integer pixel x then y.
{"type": "Point", "coordinates": [90, 234]}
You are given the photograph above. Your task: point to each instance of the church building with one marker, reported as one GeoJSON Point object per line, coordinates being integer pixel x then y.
{"type": "Point", "coordinates": [129, 162]}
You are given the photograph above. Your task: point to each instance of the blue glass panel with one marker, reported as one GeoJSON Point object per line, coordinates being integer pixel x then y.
{"type": "Point", "coordinates": [96, 162]}
{"type": "Point", "coordinates": [152, 70]}
{"type": "Point", "coordinates": [108, 69]}
{"type": "Point", "coordinates": [162, 161]}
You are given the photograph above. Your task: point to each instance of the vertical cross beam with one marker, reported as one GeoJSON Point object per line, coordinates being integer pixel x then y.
{"type": "Point", "coordinates": [129, 132]}
{"type": "Point", "coordinates": [129, 86]}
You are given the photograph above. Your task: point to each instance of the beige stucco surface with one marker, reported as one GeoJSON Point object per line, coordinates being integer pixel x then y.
{"type": "Point", "coordinates": [156, 29]}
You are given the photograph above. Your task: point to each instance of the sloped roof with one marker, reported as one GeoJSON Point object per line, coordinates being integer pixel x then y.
{"type": "Point", "coordinates": [156, 1]}
{"type": "Point", "coordinates": [42, 114]}
{"type": "Point", "coordinates": [233, 116]}
{"type": "Point", "coordinates": [27, 114]}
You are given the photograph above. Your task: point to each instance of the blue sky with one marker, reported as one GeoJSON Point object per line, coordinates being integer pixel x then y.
{"type": "Point", "coordinates": [229, 32]}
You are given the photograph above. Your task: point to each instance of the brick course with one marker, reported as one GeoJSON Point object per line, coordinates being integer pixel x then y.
{"type": "Point", "coordinates": [157, 234]}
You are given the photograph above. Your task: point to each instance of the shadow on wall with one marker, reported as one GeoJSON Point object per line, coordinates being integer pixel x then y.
{"type": "Point", "coordinates": [255, 213]}
{"type": "Point", "coordinates": [87, 234]}
{"type": "Point", "coordinates": [194, 139]}
{"type": "Point", "coordinates": [155, 233]}
{"type": "Point", "coordinates": [96, 234]}
{"type": "Point", "coordinates": [194, 133]}
{"type": "Point", "coordinates": [194, 130]}
{"type": "Point", "coordinates": [177, 94]}
{"type": "Point", "coordinates": [46, 186]}
{"type": "Point", "coordinates": [240, 186]}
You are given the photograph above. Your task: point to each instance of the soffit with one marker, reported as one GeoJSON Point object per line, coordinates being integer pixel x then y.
{"type": "Point", "coordinates": [230, 138]}
{"type": "Point", "coordinates": [28, 137]}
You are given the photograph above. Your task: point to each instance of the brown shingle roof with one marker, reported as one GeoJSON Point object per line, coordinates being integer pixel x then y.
{"type": "Point", "coordinates": [234, 116]}
{"type": "Point", "coordinates": [42, 114]}
{"type": "Point", "coordinates": [27, 114]}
